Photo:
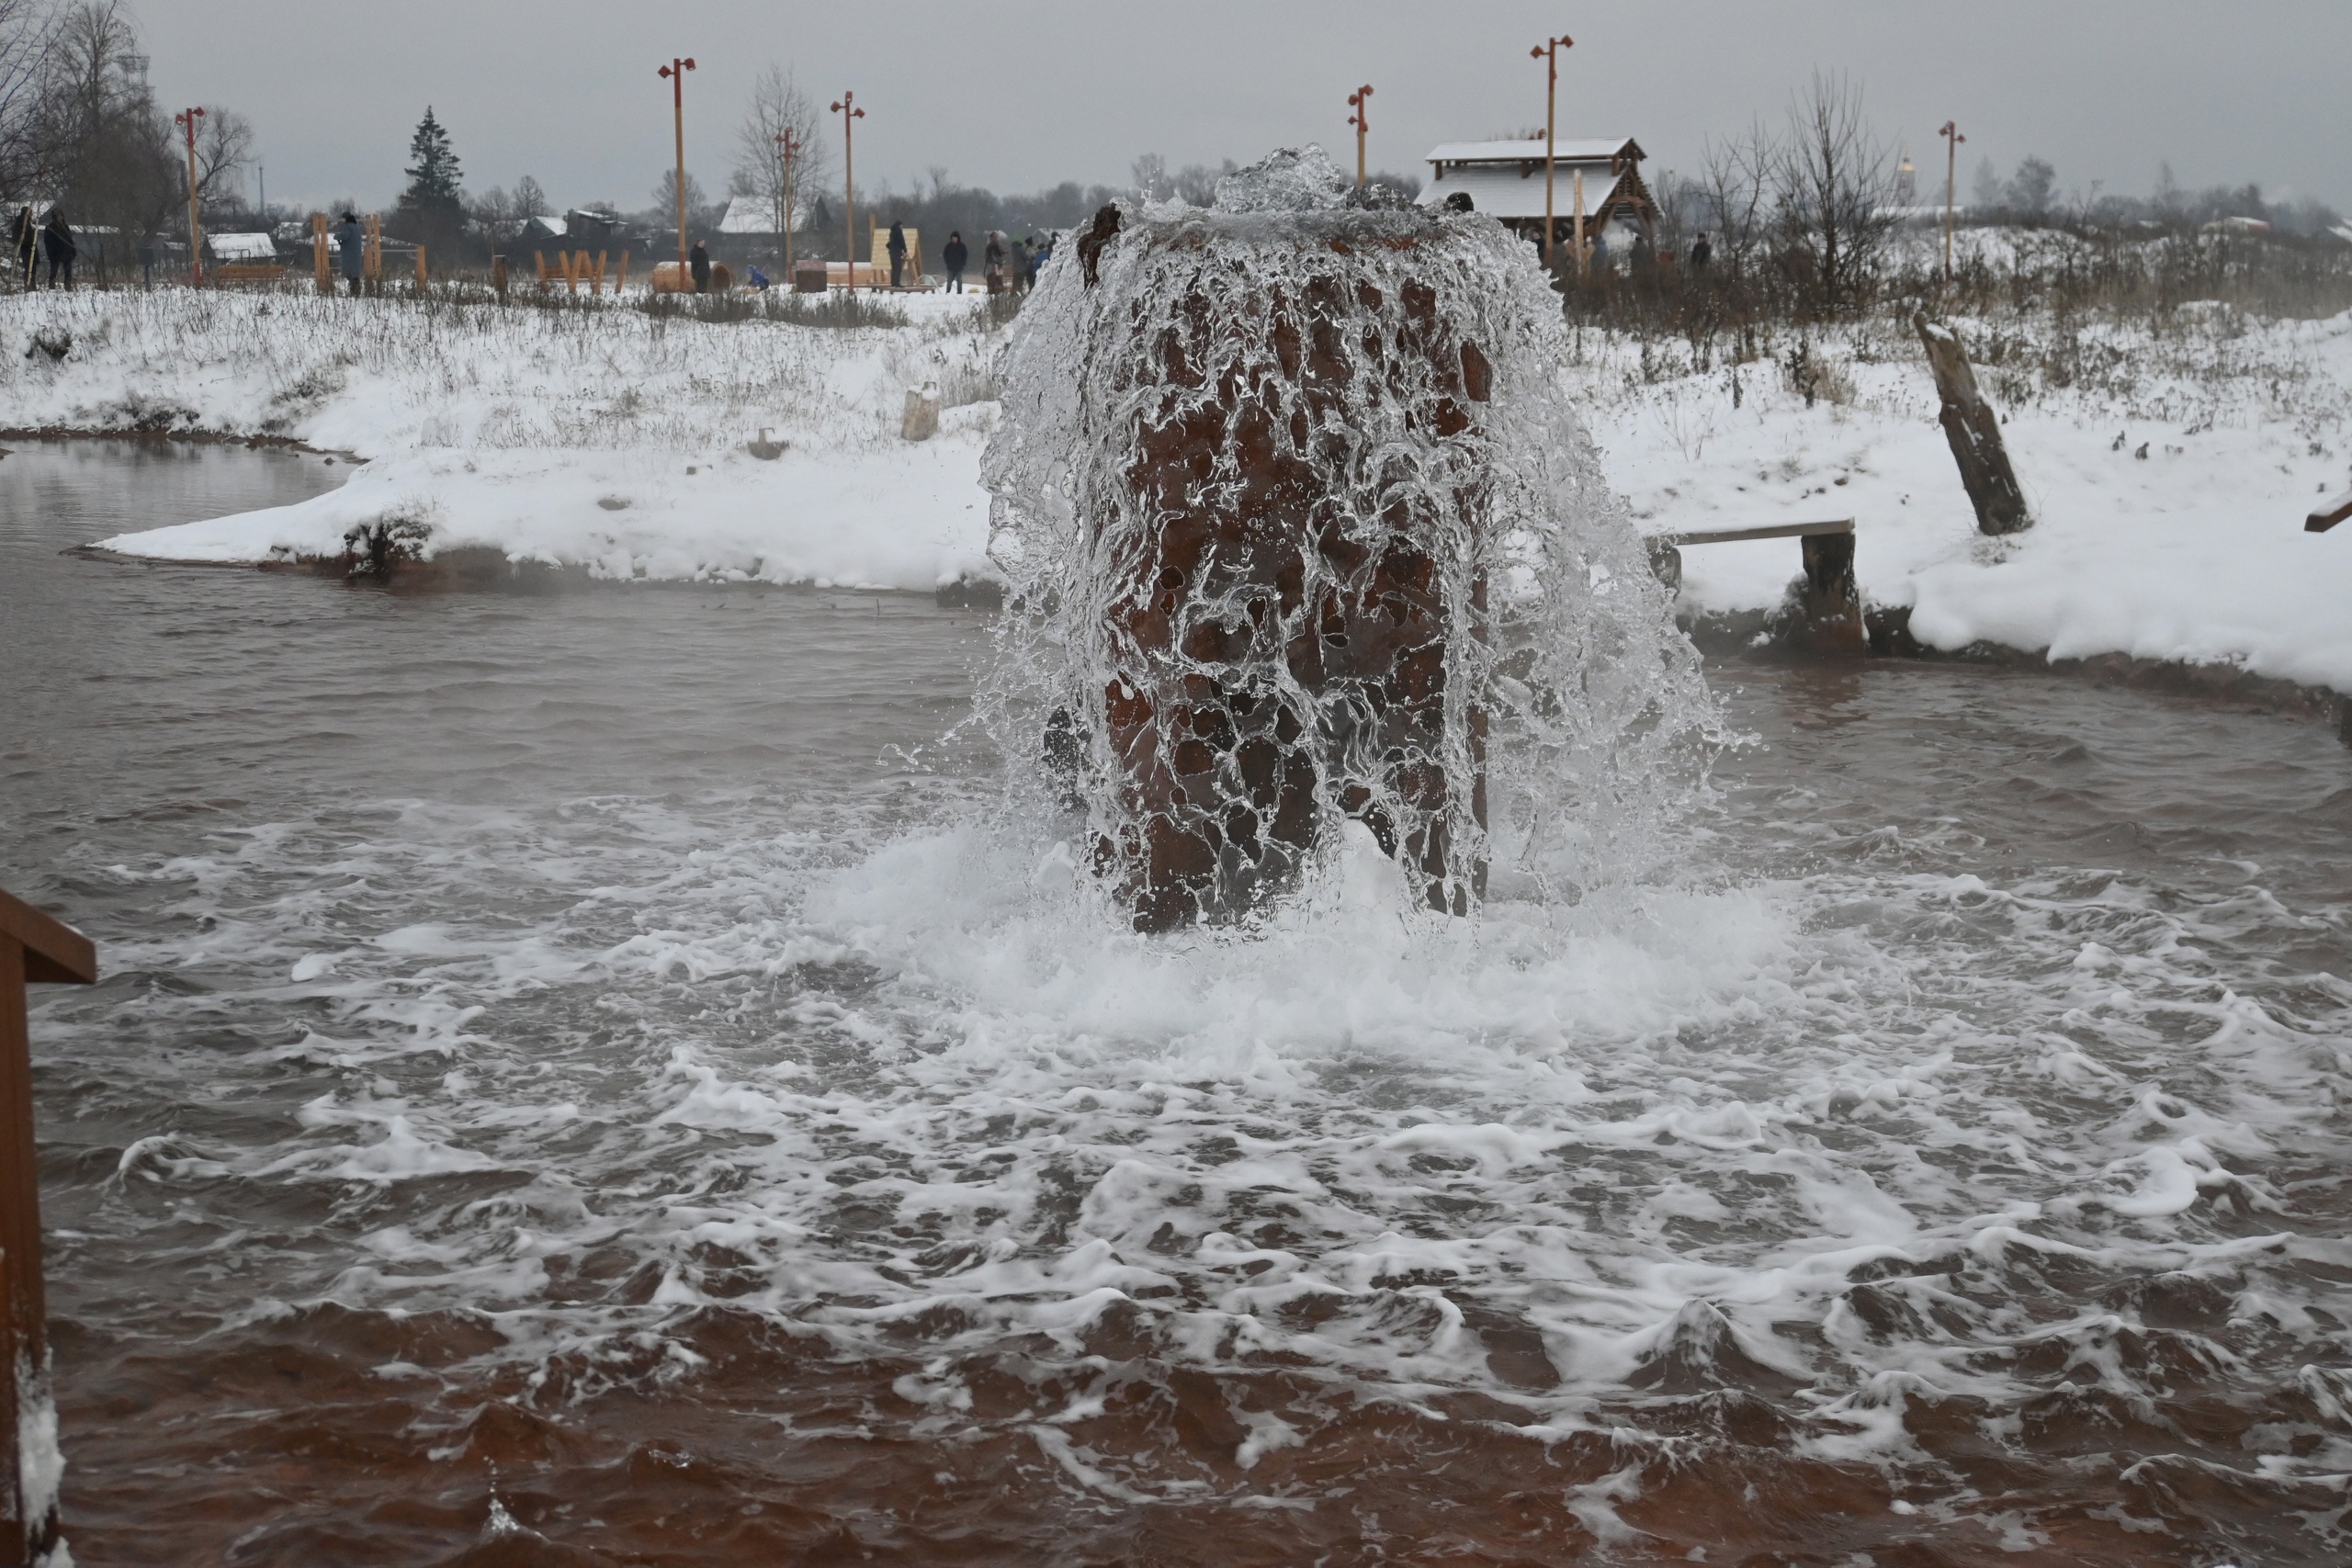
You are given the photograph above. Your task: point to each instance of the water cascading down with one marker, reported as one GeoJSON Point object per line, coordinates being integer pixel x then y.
{"type": "Point", "coordinates": [1293, 514]}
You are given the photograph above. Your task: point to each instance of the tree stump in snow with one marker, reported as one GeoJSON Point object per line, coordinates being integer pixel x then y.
{"type": "Point", "coordinates": [1974, 432]}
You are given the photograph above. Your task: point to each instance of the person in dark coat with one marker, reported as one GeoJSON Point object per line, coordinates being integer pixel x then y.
{"type": "Point", "coordinates": [1024, 266]}
{"type": "Point", "coordinates": [1701, 253]}
{"type": "Point", "coordinates": [57, 241]}
{"type": "Point", "coordinates": [351, 250]}
{"type": "Point", "coordinates": [994, 256]}
{"type": "Point", "coordinates": [897, 248]}
{"type": "Point", "coordinates": [147, 263]}
{"type": "Point", "coordinates": [953, 256]}
{"type": "Point", "coordinates": [699, 262]}
{"type": "Point", "coordinates": [23, 235]}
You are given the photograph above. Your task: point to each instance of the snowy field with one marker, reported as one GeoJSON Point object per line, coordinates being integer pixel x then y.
{"type": "Point", "coordinates": [2170, 470]}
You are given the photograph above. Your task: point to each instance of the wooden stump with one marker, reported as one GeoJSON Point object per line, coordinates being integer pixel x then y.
{"type": "Point", "coordinates": [1974, 432]}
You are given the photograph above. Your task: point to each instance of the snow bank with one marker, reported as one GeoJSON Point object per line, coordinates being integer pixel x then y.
{"type": "Point", "coordinates": [609, 440]}
{"type": "Point", "coordinates": [2170, 478]}
{"type": "Point", "coordinates": [614, 441]}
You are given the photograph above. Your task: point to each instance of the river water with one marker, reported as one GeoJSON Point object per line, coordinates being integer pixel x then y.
{"type": "Point", "coordinates": [582, 1080]}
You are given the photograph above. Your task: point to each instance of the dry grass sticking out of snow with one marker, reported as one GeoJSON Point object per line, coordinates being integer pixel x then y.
{"type": "Point", "coordinates": [613, 439]}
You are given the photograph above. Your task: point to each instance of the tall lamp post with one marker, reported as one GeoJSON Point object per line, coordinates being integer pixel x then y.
{"type": "Point", "coordinates": [849, 112]}
{"type": "Point", "coordinates": [1359, 101]}
{"type": "Point", "coordinates": [1549, 53]}
{"type": "Point", "coordinates": [676, 71]}
{"type": "Point", "coordinates": [1952, 139]}
{"type": "Point", "coordinates": [787, 145]}
{"type": "Point", "coordinates": [186, 119]}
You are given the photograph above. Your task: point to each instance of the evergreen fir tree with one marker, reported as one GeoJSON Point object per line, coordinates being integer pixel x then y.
{"type": "Point", "coordinates": [433, 191]}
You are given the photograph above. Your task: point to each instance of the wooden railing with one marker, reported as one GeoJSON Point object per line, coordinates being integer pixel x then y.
{"type": "Point", "coordinates": [33, 949]}
{"type": "Point", "coordinates": [2329, 515]}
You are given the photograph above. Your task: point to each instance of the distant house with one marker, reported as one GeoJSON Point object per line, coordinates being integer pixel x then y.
{"type": "Point", "coordinates": [757, 215]}
{"type": "Point", "coordinates": [542, 233]}
{"type": "Point", "coordinates": [242, 250]}
{"type": "Point", "coordinates": [1505, 180]}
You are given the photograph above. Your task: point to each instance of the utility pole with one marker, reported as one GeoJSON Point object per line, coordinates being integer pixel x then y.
{"type": "Point", "coordinates": [186, 119]}
{"type": "Point", "coordinates": [1359, 101]}
{"type": "Point", "coordinates": [1549, 53]}
{"type": "Point", "coordinates": [789, 145]}
{"type": "Point", "coordinates": [676, 70]}
{"type": "Point", "coordinates": [849, 112]}
{"type": "Point", "coordinates": [1952, 139]}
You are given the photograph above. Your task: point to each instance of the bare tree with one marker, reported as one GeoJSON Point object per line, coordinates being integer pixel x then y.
{"type": "Point", "coordinates": [28, 31]}
{"type": "Point", "coordinates": [1834, 194]}
{"type": "Point", "coordinates": [530, 200]}
{"type": "Point", "coordinates": [224, 150]}
{"type": "Point", "coordinates": [108, 154]}
{"type": "Point", "coordinates": [1152, 183]}
{"type": "Point", "coordinates": [1734, 193]}
{"type": "Point", "coordinates": [779, 104]}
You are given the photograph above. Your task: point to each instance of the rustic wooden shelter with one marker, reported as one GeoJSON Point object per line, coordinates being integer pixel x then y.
{"type": "Point", "coordinates": [1505, 180]}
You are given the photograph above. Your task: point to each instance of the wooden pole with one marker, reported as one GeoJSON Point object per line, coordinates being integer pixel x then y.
{"type": "Point", "coordinates": [676, 70]}
{"type": "Point", "coordinates": [1952, 139]}
{"type": "Point", "coordinates": [623, 279]}
{"type": "Point", "coordinates": [1549, 53]}
{"type": "Point", "coordinates": [1584, 257]}
{"type": "Point", "coordinates": [319, 251]}
{"type": "Point", "coordinates": [498, 278]}
{"type": "Point", "coordinates": [1357, 101]}
{"type": "Point", "coordinates": [599, 289]}
{"type": "Point", "coordinates": [570, 272]}
{"type": "Point", "coordinates": [33, 948]}
{"type": "Point", "coordinates": [849, 112]}
{"type": "Point", "coordinates": [188, 119]}
{"type": "Point", "coordinates": [420, 269]}
{"type": "Point", "coordinates": [375, 253]}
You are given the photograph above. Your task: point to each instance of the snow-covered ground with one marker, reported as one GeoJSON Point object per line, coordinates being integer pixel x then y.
{"type": "Point", "coordinates": [611, 440]}
{"type": "Point", "coordinates": [615, 442]}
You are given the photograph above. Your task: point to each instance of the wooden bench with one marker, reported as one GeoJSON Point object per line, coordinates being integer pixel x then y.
{"type": "Point", "coordinates": [2329, 515]}
{"type": "Point", "coordinates": [1832, 599]}
{"type": "Point", "coordinates": [248, 272]}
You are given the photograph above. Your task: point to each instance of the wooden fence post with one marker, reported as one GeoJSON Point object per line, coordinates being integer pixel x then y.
{"type": "Point", "coordinates": [498, 278]}
{"type": "Point", "coordinates": [420, 269]}
{"type": "Point", "coordinates": [1974, 432]}
{"type": "Point", "coordinates": [600, 272]}
{"type": "Point", "coordinates": [319, 251]}
{"type": "Point", "coordinates": [571, 259]}
{"type": "Point", "coordinates": [373, 255]}
{"type": "Point", "coordinates": [624, 277]}
{"type": "Point", "coordinates": [541, 258]}
{"type": "Point", "coordinates": [33, 948]}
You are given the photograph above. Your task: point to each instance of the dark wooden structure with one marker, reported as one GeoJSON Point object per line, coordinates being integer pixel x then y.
{"type": "Point", "coordinates": [1829, 604]}
{"type": "Point", "coordinates": [2329, 515]}
{"type": "Point", "coordinates": [1974, 432]}
{"type": "Point", "coordinates": [34, 949]}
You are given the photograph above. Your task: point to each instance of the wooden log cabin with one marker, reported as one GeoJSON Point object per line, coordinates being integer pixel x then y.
{"type": "Point", "coordinates": [1505, 180]}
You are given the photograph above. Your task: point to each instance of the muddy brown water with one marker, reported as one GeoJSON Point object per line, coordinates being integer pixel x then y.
{"type": "Point", "coordinates": [573, 1083]}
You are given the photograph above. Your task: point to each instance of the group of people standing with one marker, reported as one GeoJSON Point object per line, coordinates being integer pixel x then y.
{"type": "Point", "coordinates": [54, 239]}
{"type": "Point", "coordinates": [956, 256]}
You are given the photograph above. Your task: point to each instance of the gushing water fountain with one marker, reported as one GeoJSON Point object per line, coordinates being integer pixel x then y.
{"type": "Point", "coordinates": [1300, 530]}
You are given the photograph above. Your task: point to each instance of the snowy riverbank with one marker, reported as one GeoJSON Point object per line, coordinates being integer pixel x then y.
{"type": "Point", "coordinates": [609, 440]}
{"type": "Point", "coordinates": [614, 442]}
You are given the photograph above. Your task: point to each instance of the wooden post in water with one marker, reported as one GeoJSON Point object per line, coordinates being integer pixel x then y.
{"type": "Point", "coordinates": [36, 949]}
{"type": "Point", "coordinates": [1974, 432]}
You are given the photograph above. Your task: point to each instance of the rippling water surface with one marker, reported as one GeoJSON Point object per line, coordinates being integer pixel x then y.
{"type": "Point", "coordinates": [581, 1080]}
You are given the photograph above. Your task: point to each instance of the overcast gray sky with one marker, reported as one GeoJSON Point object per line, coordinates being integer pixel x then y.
{"type": "Point", "coordinates": [1020, 94]}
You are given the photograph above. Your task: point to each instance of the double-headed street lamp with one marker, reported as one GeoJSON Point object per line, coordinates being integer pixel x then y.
{"type": "Point", "coordinates": [676, 71]}
{"type": "Point", "coordinates": [849, 112]}
{"type": "Point", "coordinates": [1359, 101]}
{"type": "Point", "coordinates": [1549, 53]}
{"type": "Point", "coordinates": [186, 119]}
